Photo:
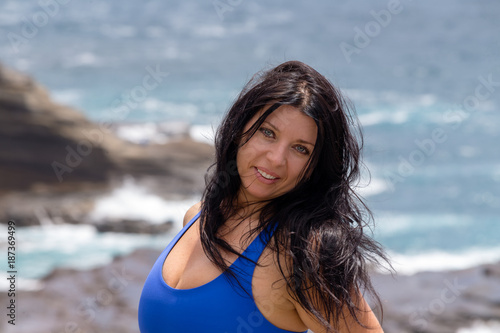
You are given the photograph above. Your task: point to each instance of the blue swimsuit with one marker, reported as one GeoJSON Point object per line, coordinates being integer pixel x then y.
{"type": "Point", "coordinates": [219, 306]}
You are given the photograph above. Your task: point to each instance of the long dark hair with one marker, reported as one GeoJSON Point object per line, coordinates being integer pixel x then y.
{"type": "Point", "coordinates": [319, 225]}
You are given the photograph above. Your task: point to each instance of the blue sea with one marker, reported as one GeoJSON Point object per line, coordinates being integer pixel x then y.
{"type": "Point", "coordinates": [424, 77]}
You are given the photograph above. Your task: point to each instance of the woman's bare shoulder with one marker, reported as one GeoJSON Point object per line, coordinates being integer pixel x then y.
{"type": "Point", "coordinates": [191, 212]}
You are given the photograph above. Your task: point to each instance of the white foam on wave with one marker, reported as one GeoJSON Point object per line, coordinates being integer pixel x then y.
{"type": "Point", "coordinates": [394, 108]}
{"type": "Point", "coordinates": [378, 117]}
{"type": "Point", "coordinates": [134, 202]}
{"type": "Point", "coordinates": [23, 64]}
{"type": "Point", "coordinates": [369, 97]}
{"type": "Point", "coordinates": [203, 133]}
{"type": "Point", "coordinates": [186, 110]}
{"type": "Point", "coordinates": [87, 59]}
{"type": "Point", "coordinates": [67, 96]}
{"type": "Point", "coordinates": [390, 223]}
{"type": "Point", "coordinates": [21, 284]}
{"type": "Point", "coordinates": [408, 264]}
{"type": "Point", "coordinates": [40, 249]}
{"type": "Point", "coordinates": [374, 187]}
{"type": "Point", "coordinates": [481, 327]}
{"type": "Point", "coordinates": [157, 133]}
{"type": "Point", "coordinates": [140, 133]}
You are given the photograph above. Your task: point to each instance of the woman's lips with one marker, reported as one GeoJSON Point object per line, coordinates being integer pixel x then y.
{"type": "Point", "coordinates": [266, 176]}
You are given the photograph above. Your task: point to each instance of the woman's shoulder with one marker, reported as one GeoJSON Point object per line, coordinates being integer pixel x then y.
{"type": "Point", "coordinates": [191, 212]}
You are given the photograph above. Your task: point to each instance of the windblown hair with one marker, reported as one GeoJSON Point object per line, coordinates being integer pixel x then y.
{"type": "Point", "coordinates": [320, 224]}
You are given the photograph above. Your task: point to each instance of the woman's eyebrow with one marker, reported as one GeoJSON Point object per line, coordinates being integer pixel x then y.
{"type": "Point", "coordinates": [278, 130]}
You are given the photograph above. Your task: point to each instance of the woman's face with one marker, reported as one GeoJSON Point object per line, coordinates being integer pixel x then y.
{"type": "Point", "coordinates": [271, 162]}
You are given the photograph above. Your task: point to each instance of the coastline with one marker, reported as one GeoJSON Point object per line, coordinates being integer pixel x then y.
{"type": "Point", "coordinates": [105, 299]}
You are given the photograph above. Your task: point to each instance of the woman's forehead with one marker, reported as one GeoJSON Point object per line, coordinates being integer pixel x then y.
{"type": "Point", "coordinates": [289, 118]}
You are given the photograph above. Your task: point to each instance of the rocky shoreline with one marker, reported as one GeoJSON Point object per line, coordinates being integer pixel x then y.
{"type": "Point", "coordinates": [440, 302]}
{"type": "Point", "coordinates": [54, 162]}
{"type": "Point", "coordinates": [105, 299]}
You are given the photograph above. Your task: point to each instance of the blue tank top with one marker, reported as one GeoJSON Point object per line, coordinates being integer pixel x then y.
{"type": "Point", "coordinates": [219, 306]}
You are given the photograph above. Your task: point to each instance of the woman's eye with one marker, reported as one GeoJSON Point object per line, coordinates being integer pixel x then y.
{"type": "Point", "coordinates": [267, 132]}
{"type": "Point", "coordinates": [302, 149]}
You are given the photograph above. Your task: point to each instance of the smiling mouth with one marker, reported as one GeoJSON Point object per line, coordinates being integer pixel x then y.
{"type": "Point", "coordinates": [265, 175]}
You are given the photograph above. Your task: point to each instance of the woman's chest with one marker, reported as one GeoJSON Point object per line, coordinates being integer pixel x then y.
{"type": "Point", "coordinates": [187, 266]}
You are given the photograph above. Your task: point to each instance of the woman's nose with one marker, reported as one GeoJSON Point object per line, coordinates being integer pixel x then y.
{"type": "Point", "coordinates": [277, 154]}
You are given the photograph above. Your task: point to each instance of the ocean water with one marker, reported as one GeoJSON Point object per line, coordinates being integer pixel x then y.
{"type": "Point", "coordinates": [424, 77]}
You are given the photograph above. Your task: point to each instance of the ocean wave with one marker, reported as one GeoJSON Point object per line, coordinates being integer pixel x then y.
{"type": "Point", "coordinates": [203, 133]}
{"type": "Point", "coordinates": [395, 108]}
{"type": "Point", "coordinates": [213, 30]}
{"type": "Point", "coordinates": [163, 132]}
{"type": "Point", "coordinates": [44, 248]}
{"type": "Point", "coordinates": [152, 133]}
{"type": "Point", "coordinates": [135, 202]}
{"type": "Point", "coordinates": [396, 224]}
{"type": "Point", "coordinates": [374, 187]}
{"type": "Point", "coordinates": [155, 31]}
{"type": "Point", "coordinates": [23, 64]}
{"type": "Point", "coordinates": [68, 96]}
{"type": "Point", "coordinates": [379, 117]}
{"type": "Point", "coordinates": [372, 97]}
{"type": "Point", "coordinates": [22, 284]}
{"type": "Point", "coordinates": [179, 110]}
{"type": "Point", "coordinates": [8, 20]}
{"type": "Point", "coordinates": [118, 31]}
{"type": "Point", "coordinates": [87, 59]}
{"type": "Point", "coordinates": [408, 264]}
{"type": "Point", "coordinates": [41, 249]}
{"type": "Point", "coordinates": [481, 327]}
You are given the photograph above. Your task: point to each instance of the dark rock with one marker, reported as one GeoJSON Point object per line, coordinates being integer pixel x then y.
{"type": "Point", "coordinates": [42, 142]}
{"type": "Point", "coordinates": [54, 162]}
{"type": "Point", "coordinates": [47, 147]}
{"type": "Point", "coordinates": [133, 226]}
{"type": "Point", "coordinates": [104, 299]}
{"type": "Point", "coordinates": [439, 302]}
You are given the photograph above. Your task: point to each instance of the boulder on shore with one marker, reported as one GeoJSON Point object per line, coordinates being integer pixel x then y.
{"type": "Point", "coordinates": [54, 162]}
{"type": "Point", "coordinates": [440, 302]}
{"type": "Point", "coordinates": [45, 145]}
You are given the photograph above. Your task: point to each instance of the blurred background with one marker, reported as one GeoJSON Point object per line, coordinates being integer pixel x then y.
{"type": "Point", "coordinates": [424, 77]}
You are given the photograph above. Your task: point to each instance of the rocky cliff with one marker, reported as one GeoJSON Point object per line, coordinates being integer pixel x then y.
{"type": "Point", "coordinates": [47, 145]}
{"type": "Point", "coordinates": [54, 162]}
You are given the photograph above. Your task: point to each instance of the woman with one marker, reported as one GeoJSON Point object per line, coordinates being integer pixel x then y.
{"type": "Point", "coordinates": [277, 243]}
